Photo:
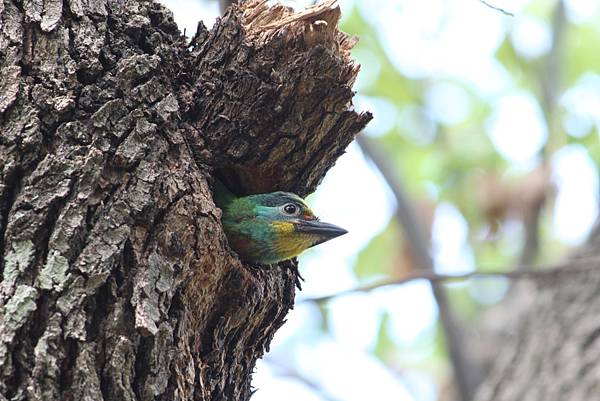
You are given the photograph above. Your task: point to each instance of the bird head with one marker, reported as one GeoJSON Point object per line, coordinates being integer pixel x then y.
{"type": "Point", "coordinates": [272, 227]}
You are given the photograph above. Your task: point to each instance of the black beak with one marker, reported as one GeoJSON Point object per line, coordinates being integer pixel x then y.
{"type": "Point", "coordinates": [323, 231]}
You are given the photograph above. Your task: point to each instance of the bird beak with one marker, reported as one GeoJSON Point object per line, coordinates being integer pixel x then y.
{"type": "Point", "coordinates": [322, 231]}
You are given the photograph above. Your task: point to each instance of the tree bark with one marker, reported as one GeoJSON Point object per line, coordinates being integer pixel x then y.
{"type": "Point", "coordinates": [117, 280]}
{"type": "Point", "coordinates": [552, 350]}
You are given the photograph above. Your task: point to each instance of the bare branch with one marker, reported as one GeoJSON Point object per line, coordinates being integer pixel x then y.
{"type": "Point", "coordinates": [570, 267]}
{"type": "Point", "coordinates": [503, 11]}
{"type": "Point", "coordinates": [287, 371]}
{"type": "Point", "coordinates": [419, 244]}
{"type": "Point", "coordinates": [549, 81]}
{"type": "Point", "coordinates": [550, 76]}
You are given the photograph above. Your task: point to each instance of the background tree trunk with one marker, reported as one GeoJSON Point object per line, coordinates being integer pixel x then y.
{"type": "Point", "coordinates": [551, 351]}
{"type": "Point", "coordinates": [117, 281]}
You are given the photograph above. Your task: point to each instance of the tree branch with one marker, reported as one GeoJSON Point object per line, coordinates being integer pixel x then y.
{"type": "Point", "coordinates": [420, 250]}
{"type": "Point", "coordinates": [587, 265]}
{"type": "Point", "coordinates": [288, 371]}
{"type": "Point", "coordinates": [493, 7]}
{"type": "Point", "coordinates": [549, 82]}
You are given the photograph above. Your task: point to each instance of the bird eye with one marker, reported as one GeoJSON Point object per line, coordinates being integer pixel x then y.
{"type": "Point", "coordinates": [290, 208]}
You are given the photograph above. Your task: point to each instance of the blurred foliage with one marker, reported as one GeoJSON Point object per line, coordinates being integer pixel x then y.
{"type": "Point", "coordinates": [380, 257]}
{"type": "Point", "coordinates": [460, 162]}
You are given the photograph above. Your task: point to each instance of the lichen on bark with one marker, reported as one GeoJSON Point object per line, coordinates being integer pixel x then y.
{"type": "Point", "coordinates": [117, 280]}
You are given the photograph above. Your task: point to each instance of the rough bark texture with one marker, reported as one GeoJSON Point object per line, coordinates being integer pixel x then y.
{"type": "Point", "coordinates": [117, 281]}
{"type": "Point", "coordinates": [552, 350]}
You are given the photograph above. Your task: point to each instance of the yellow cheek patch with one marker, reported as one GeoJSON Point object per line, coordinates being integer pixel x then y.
{"type": "Point", "coordinates": [283, 227]}
{"type": "Point", "coordinates": [290, 243]}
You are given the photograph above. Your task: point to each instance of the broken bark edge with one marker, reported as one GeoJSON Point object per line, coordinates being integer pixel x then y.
{"type": "Point", "coordinates": [282, 113]}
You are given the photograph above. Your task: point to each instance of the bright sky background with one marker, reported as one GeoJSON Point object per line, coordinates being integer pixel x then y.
{"type": "Point", "coordinates": [455, 39]}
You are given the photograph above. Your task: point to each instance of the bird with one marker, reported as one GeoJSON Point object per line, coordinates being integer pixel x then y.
{"type": "Point", "coordinates": [270, 227]}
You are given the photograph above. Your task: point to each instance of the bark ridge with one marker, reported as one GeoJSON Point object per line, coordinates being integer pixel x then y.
{"type": "Point", "coordinates": [117, 281]}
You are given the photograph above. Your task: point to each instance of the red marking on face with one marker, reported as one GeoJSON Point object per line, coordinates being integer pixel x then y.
{"type": "Point", "coordinates": [308, 217]}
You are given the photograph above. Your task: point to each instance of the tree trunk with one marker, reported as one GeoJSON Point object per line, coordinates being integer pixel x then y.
{"type": "Point", "coordinates": [552, 352]}
{"type": "Point", "coordinates": [117, 280]}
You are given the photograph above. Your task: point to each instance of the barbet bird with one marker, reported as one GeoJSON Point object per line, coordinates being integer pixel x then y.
{"type": "Point", "coordinates": [268, 228]}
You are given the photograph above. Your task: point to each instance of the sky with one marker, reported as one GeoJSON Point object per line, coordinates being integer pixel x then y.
{"type": "Point", "coordinates": [456, 39]}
